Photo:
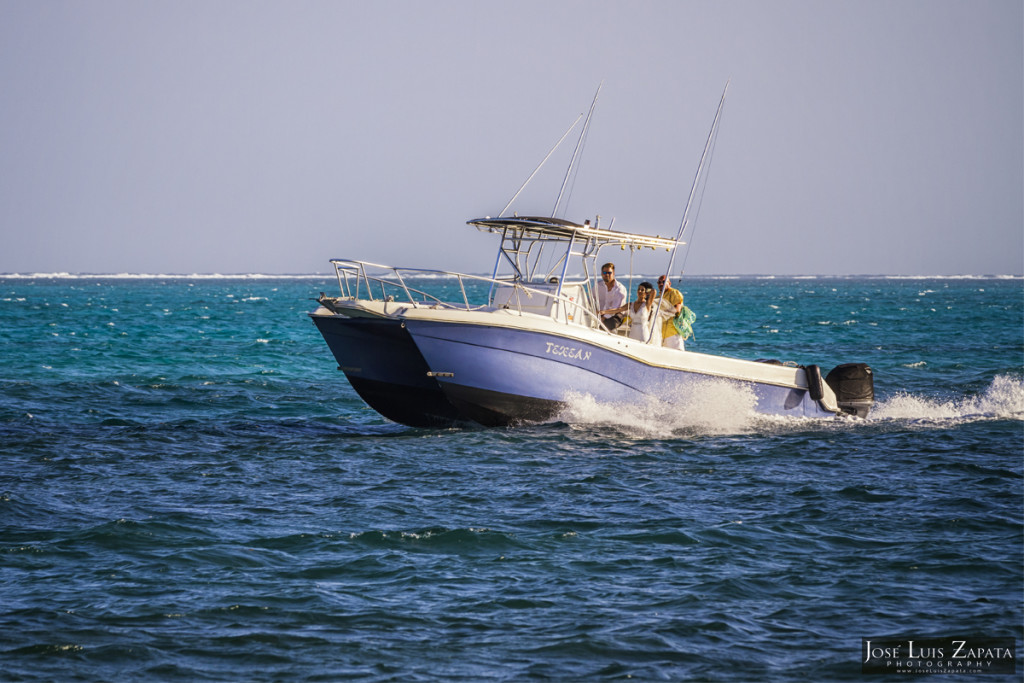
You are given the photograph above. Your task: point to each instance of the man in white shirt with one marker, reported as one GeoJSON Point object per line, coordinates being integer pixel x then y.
{"type": "Point", "coordinates": [611, 298]}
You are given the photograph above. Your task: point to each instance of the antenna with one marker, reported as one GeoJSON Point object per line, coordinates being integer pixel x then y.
{"type": "Point", "coordinates": [693, 190]}
{"type": "Point", "coordinates": [576, 152]}
{"type": "Point", "coordinates": [696, 178]}
{"type": "Point", "coordinates": [523, 187]}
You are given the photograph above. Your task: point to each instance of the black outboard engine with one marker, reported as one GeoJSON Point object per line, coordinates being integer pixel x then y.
{"type": "Point", "coordinates": [854, 387]}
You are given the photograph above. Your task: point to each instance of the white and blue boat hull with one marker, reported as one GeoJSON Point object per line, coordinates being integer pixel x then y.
{"type": "Point", "coordinates": [502, 375]}
{"type": "Point", "coordinates": [383, 365]}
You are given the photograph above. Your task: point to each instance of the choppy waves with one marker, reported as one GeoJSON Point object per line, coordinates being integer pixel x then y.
{"type": "Point", "coordinates": [198, 495]}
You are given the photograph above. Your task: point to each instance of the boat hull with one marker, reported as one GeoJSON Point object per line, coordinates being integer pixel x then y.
{"type": "Point", "coordinates": [384, 366]}
{"type": "Point", "coordinates": [506, 374]}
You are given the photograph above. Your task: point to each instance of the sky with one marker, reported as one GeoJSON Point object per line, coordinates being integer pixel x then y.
{"type": "Point", "coordinates": [186, 136]}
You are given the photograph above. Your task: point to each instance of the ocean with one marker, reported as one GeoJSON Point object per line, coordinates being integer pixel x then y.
{"type": "Point", "coordinates": [191, 491]}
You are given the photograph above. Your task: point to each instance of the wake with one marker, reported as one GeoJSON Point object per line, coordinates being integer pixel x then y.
{"type": "Point", "coordinates": [714, 408]}
{"type": "Point", "coordinates": [1002, 399]}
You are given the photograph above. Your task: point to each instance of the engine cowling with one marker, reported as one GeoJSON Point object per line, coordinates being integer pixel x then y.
{"type": "Point", "coordinates": [854, 387]}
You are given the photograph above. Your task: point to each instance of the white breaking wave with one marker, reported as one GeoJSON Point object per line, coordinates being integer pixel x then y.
{"type": "Point", "coordinates": [164, 276]}
{"type": "Point", "coordinates": [1004, 398]}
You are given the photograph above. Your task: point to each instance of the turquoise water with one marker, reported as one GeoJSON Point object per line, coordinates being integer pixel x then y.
{"type": "Point", "coordinates": [191, 491]}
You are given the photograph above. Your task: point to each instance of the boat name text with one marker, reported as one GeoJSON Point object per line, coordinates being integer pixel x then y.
{"type": "Point", "coordinates": [567, 351]}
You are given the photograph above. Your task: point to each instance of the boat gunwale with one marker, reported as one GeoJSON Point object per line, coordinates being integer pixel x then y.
{"type": "Point", "coordinates": [614, 343]}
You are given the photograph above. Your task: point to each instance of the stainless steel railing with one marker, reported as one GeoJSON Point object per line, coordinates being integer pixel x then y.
{"type": "Point", "coordinates": [378, 282]}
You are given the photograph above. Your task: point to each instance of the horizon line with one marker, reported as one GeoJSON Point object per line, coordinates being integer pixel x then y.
{"type": "Point", "coordinates": [58, 275]}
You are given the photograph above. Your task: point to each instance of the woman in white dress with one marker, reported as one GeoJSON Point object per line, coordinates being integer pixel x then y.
{"type": "Point", "coordinates": [639, 313]}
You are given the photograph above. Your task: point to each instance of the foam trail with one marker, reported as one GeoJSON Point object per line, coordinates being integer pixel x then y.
{"type": "Point", "coordinates": [1003, 398]}
{"type": "Point", "coordinates": [717, 407]}
{"type": "Point", "coordinates": [708, 407]}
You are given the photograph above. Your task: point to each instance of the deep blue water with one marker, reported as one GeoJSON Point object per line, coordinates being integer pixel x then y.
{"type": "Point", "coordinates": [190, 491]}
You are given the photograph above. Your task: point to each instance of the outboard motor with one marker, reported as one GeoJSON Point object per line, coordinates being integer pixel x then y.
{"type": "Point", "coordinates": [854, 387]}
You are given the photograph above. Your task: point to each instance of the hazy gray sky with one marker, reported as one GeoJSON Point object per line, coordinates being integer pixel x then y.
{"type": "Point", "coordinates": [231, 137]}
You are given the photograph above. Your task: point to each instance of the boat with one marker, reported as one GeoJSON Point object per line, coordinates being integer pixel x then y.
{"type": "Point", "coordinates": [535, 342]}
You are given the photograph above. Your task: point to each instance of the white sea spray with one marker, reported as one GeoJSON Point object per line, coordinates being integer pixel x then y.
{"type": "Point", "coordinates": [1003, 398]}
{"type": "Point", "coordinates": [703, 407]}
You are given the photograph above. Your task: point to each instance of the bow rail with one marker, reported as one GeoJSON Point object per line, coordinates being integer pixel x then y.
{"type": "Point", "coordinates": [570, 303]}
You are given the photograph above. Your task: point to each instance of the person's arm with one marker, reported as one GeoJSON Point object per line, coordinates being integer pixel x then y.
{"type": "Point", "coordinates": [613, 311]}
{"type": "Point", "coordinates": [624, 295]}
